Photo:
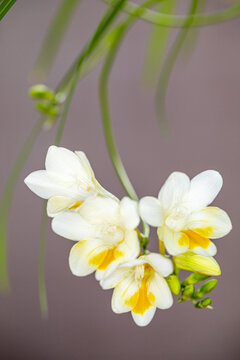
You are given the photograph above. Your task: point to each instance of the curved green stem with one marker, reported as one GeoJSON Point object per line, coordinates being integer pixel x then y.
{"type": "Point", "coordinates": [106, 118]}
{"type": "Point", "coordinates": [168, 65]}
{"type": "Point", "coordinates": [179, 21]}
{"type": "Point", "coordinates": [108, 17]}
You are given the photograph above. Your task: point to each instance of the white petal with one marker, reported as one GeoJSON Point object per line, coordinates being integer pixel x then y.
{"type": "Point", "coordinates": [57, 204]}
{"type": "Point", "coordinates": [85, 163]}
{"type": "Point", "coordinates": [210, 222]}
{"type": "Point", "coordinates": [172, 192]}
{"type": "Point", "coordinates": [122, 294]}
{"type": "Point", "coordinates": [72, 226]}
{"type": "Point", "coordinates": [146, 318]}
{"type": "Point", "coordinates": [174, 241]}
{"type": "Point", "coordinates": [159, 288]}
{"type": "Point", "coordinates": [130, 246]}
{"type": "Point", "coordinates": [150, 211]}
{"type": "Point", "coordinates": [203, 189]}
{"type": "Point", "coordinates": [160, 263]}
{"type": "Point", "coordinates": [113, 279]}
{"type": "Point", "coordinates": [42, 185]}
{"type": "Point", "coordinates": [210, 251]}
{"type": "Point", "coordinates": [64, 162]}
{"type": "Point", "coordinates": [128, 249]}
{"type": "Point", "coordinates": [81, 254]}
{"type": "Point", "coordinates": [99, 210]}
{"type": "Point", "coordinates": [129, 213]}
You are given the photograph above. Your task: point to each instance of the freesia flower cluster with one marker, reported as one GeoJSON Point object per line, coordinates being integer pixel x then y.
{"type": "Point", "coordinates": [108, 239]}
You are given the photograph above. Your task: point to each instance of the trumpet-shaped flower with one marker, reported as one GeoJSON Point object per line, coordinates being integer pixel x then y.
{"type": "Point", "coordinates": [140, 287]}
{"type": "Point", "coordinates": [104, 229]}
{"type": "Point", "coordinates": [67, 181]}
{"type": "Point", "coordinates": [181, 213]}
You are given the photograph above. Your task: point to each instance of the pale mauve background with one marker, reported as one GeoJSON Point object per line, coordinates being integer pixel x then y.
{"type": "Point", "coordinates": [203, 108]}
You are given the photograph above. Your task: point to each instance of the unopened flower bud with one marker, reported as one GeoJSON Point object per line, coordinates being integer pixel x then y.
{"type": "Point", "coordinates": [190, 261]}
{"type": "Point", "coordinates": [187, 293]}
{"type": "Point", "coordinates": [205, 289]}
{"type": "Point", "coordinates": [41, 92]}
{"type": "Point", "coordinates": [205, 303]}
{"type": "Point", "coordinates": [48, 109]}
{"type": "Point", "coordinates": [174, 284]}
{"type": "Point", "coordinates": [194, 278]}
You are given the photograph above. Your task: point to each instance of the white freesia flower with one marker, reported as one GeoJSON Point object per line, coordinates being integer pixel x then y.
{"type": "Point", "coordinates": [181, 213]}
{"type": "Point", "coordinates": [67, 181]}
{"type": "Point", "coordinates": [104, 229]}
{"type": "Point", "coordinates": [140, 287]}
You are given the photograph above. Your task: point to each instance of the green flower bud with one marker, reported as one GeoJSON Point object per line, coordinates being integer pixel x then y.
{"type": "Point", "coordinates": [41, 92]}
{"type": "Point", "coordinates": [48, 109]}
{"type": "Point", "coordinates": [174, 284]}
{"type": "Point", "coordinates": [194, 278]}
{"type": "Point", "coordinates": [187, 293]}
{"type": "Point", "coordinates": [205, 303]}
{"type": "Point", "coordinates": [205, 289]}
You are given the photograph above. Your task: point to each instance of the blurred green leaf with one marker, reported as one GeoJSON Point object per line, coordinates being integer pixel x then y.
{"type": "Point", "coordinates": [53, 39]}
{"type": "Point", "coordinates": [157, 44]}
{"type": "Point", "coordinates": [5, 6]}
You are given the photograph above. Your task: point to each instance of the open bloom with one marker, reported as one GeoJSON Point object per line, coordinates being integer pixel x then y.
{"type": "Point", "coordinates": [104, 229]}
{"type": "Point", "coordinates": [181, 213]}
{"type": "Point", "coordinates": [140, 287]}
{"type": "Point", "coordinates": [67, 181]}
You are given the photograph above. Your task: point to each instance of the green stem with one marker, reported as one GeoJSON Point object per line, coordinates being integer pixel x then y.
{"type": "Point", "coordinates": [168, 66]}
{"type": "Point", "coordinates": [106, 21]}
{"type": "Point", "coordinates": [106, 118]}
{"type": "Point", "coordinates": [179, 21]}
{"type": "Point", "coordinates": [5, 6]}
{"type": "Point", "coordinates": [7, 198]}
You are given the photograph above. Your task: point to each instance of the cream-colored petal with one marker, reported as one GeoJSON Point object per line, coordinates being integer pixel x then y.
{"type": "Point", "coordinates": [211, 250]}
{"type": "Point", "coordinates": [203, 189]}
{"type": "Point", "coordinates": [129, 247]}
{"type": "Point", "coordinates": [175, 242]}
{"type": "Point", "coordinates": [146, 318]}
{"type": "Point", "coordinates": [210, 222]}
{"type": "Point", "coordinates": [158, 286]}
{"type": "Point", "coordinates": [64, 162]}
{"type": "Point", "coordinates": [99, 210]}
{"type": "Point", "coordinates": [160, 263]}
{"type": "Point", "coordinates": [58, 204]}
{"type": "Point", "coordinates": [114, 278]}
{"type": "Point", "coordinates": [123, 299]}
{"type": "Point", "coordinates": [85, 163]}
{"type": "Point", "coordinates": [83, 255]}
{"type": "Point", "coordinates": [150, 211]}
{"type": "Point", "coordinates": [129, 213]}
{"type": "Point", "coordinates": [174, 189]}
{"type": "Point", "coordinates": [72, 226]}
{"type": "Point", "coordinates": [44, 186]}
{"type": "Point", "coordinates": [202, 264]}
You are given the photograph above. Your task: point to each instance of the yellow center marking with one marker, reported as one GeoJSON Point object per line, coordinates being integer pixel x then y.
{"type": "Point", "coordinates": [196, 239]}
{"type": "Point", "coordinates": [76, 205]}
{"type": "Point", "coordinates": [105, 258]}
{"type": "Point", "coordinates": [142, 300]}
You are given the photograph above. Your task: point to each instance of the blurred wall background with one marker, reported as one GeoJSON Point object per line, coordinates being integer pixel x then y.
{"type": "Point", "coordinates": [203, 108]}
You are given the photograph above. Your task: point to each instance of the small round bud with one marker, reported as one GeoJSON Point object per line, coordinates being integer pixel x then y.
{"type": "Point", "coordinates": [205, 303]}
{"type": "Point", "coordinates": [41, 92]}
{"type": "Point", "coordinates": [205, 289]}
{"type": "Point", "coordinates": [48, 109]}
{"type": "Point", "coordinates": [174, 284]}
{"type": "Point", "coordinates": [194, 278]}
